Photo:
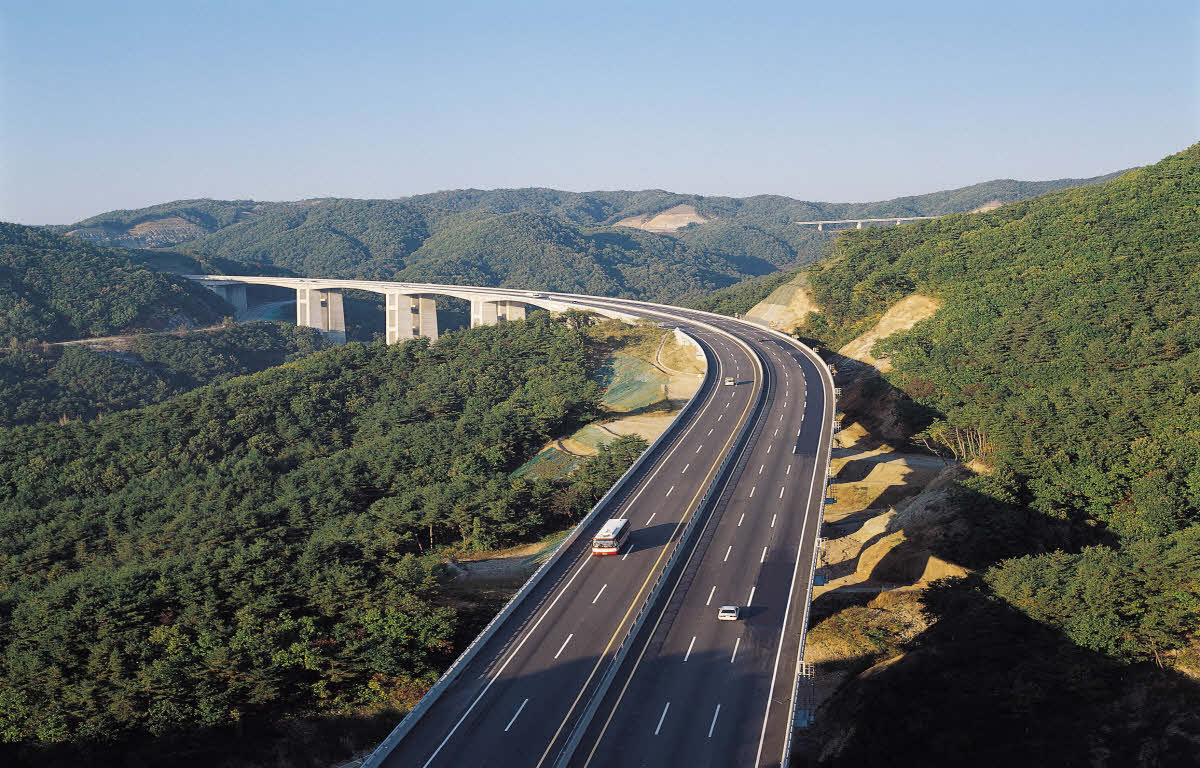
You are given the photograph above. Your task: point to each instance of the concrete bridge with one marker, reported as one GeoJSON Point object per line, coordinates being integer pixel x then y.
{"type": "Point", "coordinates": [897, 220]}
{"type": "Point", "coordinates": [410, 308]}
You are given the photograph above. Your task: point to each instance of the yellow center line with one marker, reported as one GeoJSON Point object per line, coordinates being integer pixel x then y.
{"type": "Point", "coordinates": [689, 512]}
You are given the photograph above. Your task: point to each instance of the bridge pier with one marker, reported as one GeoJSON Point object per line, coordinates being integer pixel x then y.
{"type": "Point", "coordinates": [485, 312]}
{"type": "Point", "coordinates": [234, 294]}
{"type": "Point", "coordinates": [409, 316]}
{"type": "Point", "coordinates": [322, 309]}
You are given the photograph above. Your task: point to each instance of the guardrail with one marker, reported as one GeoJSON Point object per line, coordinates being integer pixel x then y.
{"type": "Point", "coordinates": [826, 377]}
{"type": "Point", "coordinates": [402, 729]}
{"type": "Point", "coordinates": [714, 490]}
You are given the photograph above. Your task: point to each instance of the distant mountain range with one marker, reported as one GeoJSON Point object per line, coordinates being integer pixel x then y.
{"type": "Point", "coordinates": [648, 244]}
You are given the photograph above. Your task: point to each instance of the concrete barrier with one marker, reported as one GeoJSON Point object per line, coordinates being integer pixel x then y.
{"type": "Point", "coordinates": [450, 675]}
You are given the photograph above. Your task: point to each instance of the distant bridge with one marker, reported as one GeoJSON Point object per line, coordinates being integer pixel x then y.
{"type": "Point", "coordinates": [897, 220]}
{"type": "Point", "coordinates": [410, 308]}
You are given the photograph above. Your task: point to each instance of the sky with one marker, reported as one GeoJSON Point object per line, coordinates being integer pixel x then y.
{"type": "Point", "coordinates": [127, 104]}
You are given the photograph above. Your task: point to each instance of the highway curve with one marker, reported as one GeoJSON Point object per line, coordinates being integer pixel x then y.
{"type": "Point", "coordinates": [690, 691]}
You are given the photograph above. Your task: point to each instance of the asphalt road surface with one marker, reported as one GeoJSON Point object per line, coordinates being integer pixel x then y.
{"type": "Point", "coordinates": [691, 691]}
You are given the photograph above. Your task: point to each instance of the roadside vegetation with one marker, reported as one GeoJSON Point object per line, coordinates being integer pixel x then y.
{"type": "Point", "coordinates": [250, 573]}
{"type": "Point", "coordinates": [1061, 366]}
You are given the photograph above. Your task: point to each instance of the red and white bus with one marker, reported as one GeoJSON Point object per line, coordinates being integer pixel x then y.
{"type": "Point", "coordinates": [611, 538]}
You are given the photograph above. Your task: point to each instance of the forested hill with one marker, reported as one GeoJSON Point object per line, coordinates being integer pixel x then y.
{"type": "Point", "coordinates": [244, 574]}
{"type": "Point", "coordinates": [54, 288]}
{"type": "Point", "coordinates": [595, 242]}
{"type": "Point", "coordinates": [1064, 360]}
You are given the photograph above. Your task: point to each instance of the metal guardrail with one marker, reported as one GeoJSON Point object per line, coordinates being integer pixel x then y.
{"type": "Point", "coordinates": [380, 753]}
{"type": "Point", "coordinates": [791, 727]}
{"type": "Point", "coordinates": [714, 490]}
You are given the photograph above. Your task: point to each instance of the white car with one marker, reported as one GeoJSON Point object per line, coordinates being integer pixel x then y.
{"type": "Point", "coordinates": [729, 381]}
{"type": "Point", "coordinates": [728, 613]}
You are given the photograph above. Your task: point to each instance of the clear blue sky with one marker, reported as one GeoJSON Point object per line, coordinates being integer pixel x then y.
{"type": "Point", "coordinates": [124, 104]}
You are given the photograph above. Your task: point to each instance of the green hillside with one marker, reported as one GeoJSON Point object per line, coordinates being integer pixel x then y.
{"type": "Point", "coordinates": [248, 574]}
{"type": "Point", "coordinates": [54, 288]}
{"type": "Point", "coordinates": [532, 238]}
{"type": "Point", "coordinates": [1065, 358]}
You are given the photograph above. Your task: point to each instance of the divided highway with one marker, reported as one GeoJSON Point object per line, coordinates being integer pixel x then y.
{"type": "Point", "coordinates": [543, 689]}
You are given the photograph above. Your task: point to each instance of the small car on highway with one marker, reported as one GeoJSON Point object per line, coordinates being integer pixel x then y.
{"type": "Point", "coordinates": [728, 613]}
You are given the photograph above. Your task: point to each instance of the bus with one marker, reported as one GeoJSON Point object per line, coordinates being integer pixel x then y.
{"type": "Point", "coordinates": [611, 538]}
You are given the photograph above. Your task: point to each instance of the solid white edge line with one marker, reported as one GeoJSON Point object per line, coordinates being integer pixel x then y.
{"type": "Point", "coordinates": [514, 717]}
{"type": "Point", "coordinates": [788, 607]}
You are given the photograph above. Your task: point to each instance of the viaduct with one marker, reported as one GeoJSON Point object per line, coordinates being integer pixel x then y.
{"type": "Point", "coordinates": [605, 662]}
{"type": "Point", "coordinates": [410, 308]}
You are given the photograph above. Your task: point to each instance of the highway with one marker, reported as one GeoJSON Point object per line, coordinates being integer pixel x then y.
{"type": "Point", "coordinates": [543, 689]}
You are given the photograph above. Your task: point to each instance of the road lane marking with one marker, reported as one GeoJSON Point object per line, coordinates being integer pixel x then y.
{"type": "Point", "coordinates": [685, 468]}
{"type": "Point", "coordinates": [564, 645]}
{"type": "Point", "coordinates": [669, 491]}
{"type": "Point", "coordinates": [723, 416]}
{"type": "Point", "coordinates": [662, 717]}
{"type": "Point", "coordinates": [630, 609]}
{"type": "Point", "coordinates": [699, 447]}
{"type": "Point", "coordinates": [710, 594]}
{"type": "Point", "coordinates": [648, 519]}
{"type": "Point", "coordinates": [750, 600]}
{"type": "Point", "coordinates": [514, 717]}
{"type": "Point", "coordinates": [710, 432]}
{"type": "Point", "coordinates": [761, 559]}
{"type": "Point", "coordinates": [752, 490]}
{"type": "Point", "coordinates": [601, 592]}
{"type": "Point", "coordinates": [789, 470]}
{"type": "Point", "coordinates": [689, 650]}
{"type": "Point", "coordinates": [735, 647]}
{"type": "Point", "coordinates": [781, 488]}
{"type": "Point", "coordinates": [761, 467]}
{"type": "Point", "coordinates": [773, 520]}
{"type": "Point", "coordinates": [627, 554]}
{"type": "Point", "coordinates": [769, 447]}
{"type": "Point", "coordinates": [504, 666]}
{"type": "Point", "coordinates": [740, 519]}
{"type": "Point", "coordinates": [727, 553]}
{"type": "Point", "coordinates": [713, 724]}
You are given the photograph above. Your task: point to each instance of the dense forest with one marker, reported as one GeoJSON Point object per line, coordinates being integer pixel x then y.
{"type": "Point", "coordinates": [188, 578]}
{"type": "Point", "coordinates": [55, 288]}
{"type": "Point", "coordinates": [75, 382]}
{"type": "Point", "coordinates": [1065, 360]}
{"type": "Point", "coordinates": [524, 238]}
